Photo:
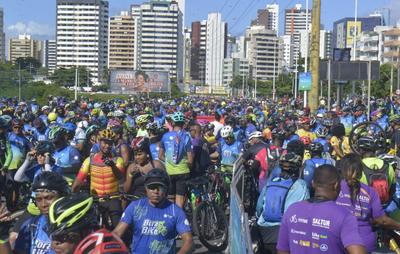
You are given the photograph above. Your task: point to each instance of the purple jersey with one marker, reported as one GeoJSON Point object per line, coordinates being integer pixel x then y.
{"type": "Point", "coordinates": [317, 227]}
{"type": "Point", "coordinates": [366, 207]}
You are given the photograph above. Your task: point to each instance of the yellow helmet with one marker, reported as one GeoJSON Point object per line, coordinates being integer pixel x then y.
{"type": "Point", "coordinates": [52, 117]}
{"type": "Point", "coordinates": [107, 134]}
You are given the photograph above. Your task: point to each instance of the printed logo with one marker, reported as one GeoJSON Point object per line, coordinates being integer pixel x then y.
{"type": "Point", "coordinates": [186, 222]}
{"type": "Point", "coordinates": [321, 223]}
{"type": "Point", "coordinates": [167, 216]}
{"type": "Point", "coordinates": [317, 236]}
{"type": "Point", "coordinates": [293, 219]}
{"type": "Point", "coordinates": [323, 247]}
{"type": "Point", "coordinates": [305, 243]}
{"type": "Point", "coordinates": [293, 231]}
{"type": "Point", "coordinates": [295, 241]}
{"type": "Point", "coordinates": [315, 245]}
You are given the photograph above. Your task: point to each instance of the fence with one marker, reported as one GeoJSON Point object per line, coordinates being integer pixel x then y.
{"type": "Point", "coordinates": [239, 232]}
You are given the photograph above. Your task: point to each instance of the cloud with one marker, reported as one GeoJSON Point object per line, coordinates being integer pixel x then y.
{"type": "Point", "coordinates": [30, 28]}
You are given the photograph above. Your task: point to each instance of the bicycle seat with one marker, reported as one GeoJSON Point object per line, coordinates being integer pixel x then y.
{"type": "Point", "coordinates": [201, 180]}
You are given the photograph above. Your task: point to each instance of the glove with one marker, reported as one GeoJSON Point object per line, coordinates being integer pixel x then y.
{"type": "Point", "coordinates": [109, 162]}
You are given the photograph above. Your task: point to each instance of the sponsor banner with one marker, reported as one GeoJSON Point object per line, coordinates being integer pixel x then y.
{"type": "Point", "coordinates": [351, 30]}
{"type": "Point", "coordinates": [133, 82]}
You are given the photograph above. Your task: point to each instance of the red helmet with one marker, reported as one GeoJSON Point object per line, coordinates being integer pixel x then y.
{"type": "Point", "coordinates": [306, 140]}
{"type": "Point", "coordinates": [100, 242]}
{"type": "Point", "coordinates": [304, 120]}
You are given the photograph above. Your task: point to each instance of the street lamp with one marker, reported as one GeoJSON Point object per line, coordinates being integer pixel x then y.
{"type": "Point", "coordinates": [273, 78]}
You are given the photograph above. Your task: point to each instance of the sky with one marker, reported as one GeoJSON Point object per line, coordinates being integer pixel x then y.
{"type": "Point", "coordinates": [37, 17]}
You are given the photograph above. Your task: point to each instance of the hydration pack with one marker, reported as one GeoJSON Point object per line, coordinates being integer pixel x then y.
{"type": "Point", "coordinates": [276, 192]}
{"type": "Point", "coordinates": [378, 180]}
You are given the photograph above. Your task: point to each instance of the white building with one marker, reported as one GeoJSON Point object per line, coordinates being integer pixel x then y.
{"type": "Point", "coordinates": [273, 17]}
{"type": "Point", "coordinates": [288, 48]}
{"type": "Point", "coordinates": [325, 44]}
{"type": "Point", "coordinates": [370, 45]}
{"type": "Point", "coordinates": [82, 30]}
{"type": "Point", "coordinates": [50, 55]}
{"type": "Point", "coordinates": [160, 39]}
{"type": "Point", "coordinates": [215, 50]}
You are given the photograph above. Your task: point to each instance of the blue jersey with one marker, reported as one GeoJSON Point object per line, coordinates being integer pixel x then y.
{"type": "Point", "coordinates": [309, 167]}
{"type": "Point", "coordinates": [362, 118]}
{"type": "Point", "coordinates": [155, 228]}
{"type": "Point", "coordinates": [324, 143]}
{"type": "Point", "coordinates": [41, 136]}
{"type": "Point", "coordinates": [176, 146]}
{"type": "Point", "coordinates": [154, 149]}
{"type": "Point", "coordinates": [250, 129]}
{"type": "Point", "coordinates": [291, 138]}
{"type": "Point", "coordinates": [20, 145]}
{"type": "Point", "coordinates": [32, 237]}
{"type": "Point", "coordinates": [66, 158]}
{"type": "Point", "coordinates": [229, 153]}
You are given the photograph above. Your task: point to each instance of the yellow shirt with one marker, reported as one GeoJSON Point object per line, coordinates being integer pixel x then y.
{"type": "Point", "coordinates": [343, 145]}
{"type": "Point", "coordinates": [304, 133]}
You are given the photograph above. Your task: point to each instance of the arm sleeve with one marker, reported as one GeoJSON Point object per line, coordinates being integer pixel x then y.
{"type": "Point", "coordinates": [349, 232]}
{"type": "Point", "coordinates": [20, 174]}
{"type": "Point", "coordinates": [283, 240]}
{"type": "Point", "coordinates": [84, 171]}
{"type": "Point", "coordinates": [182, 223]}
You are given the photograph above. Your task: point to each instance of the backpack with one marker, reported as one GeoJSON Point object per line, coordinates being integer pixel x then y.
{"type": "Point", "coordinates": [277, 189]}
{"type": "Point", "coordinates": [378, 180]}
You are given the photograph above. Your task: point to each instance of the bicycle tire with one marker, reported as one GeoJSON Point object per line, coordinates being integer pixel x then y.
{"type": "Point", "coordinates": [205, 217]}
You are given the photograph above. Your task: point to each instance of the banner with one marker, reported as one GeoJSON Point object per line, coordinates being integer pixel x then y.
{"type": "Point", "coordinates": [351, 29]}
{"type": "Point", "coordinates": [305, 81]}
{"type": "Point", "coordinates": [133, 82]}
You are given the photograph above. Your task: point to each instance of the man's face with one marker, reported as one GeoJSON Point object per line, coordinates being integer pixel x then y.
{"type": "Point", "coordinates": [43, 200]}
{"type": "Point", "coordinates": [17, 129]}
{"type": "Point", "coordinates": [106, 146]}
{"type": "Point", "coordinates": [156, 193]}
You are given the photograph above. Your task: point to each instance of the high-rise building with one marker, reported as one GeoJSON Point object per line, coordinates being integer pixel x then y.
{"type": "Point", "coordinates": [264, 52]}
{"type": "Point", "coordinates": [82, 32]}
{"type": "Point", "coordinates": [325, 44]}
{"type": "Point", "coordinates": [198, 52]}
{"type": "Point", "coordinates": [215, 50]}
{"type": "Point", "coordinates": [268, 17]}
{"type": "Point", "coordinates": [296, 21]}
{"type": "Point", "coordinates": [160, 39]}
{"type": "Point", "coordinates": [23, 47]}
{"type": "Point", "coordinates": [288, 47]}
{"type": "Point", "coordinates": [391, 45]}
{"type": "Point", "coordinates": [122, 47]}
{"type": "Point", "coordinates": [50, 55]}
{"type": "Point", "coordinates": [2, 37]}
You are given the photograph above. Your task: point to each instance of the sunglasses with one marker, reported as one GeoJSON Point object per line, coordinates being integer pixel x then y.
{"type": "Point", "coordinates": [69, 237]}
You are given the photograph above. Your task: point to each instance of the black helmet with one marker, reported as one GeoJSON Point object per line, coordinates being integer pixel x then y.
{"type": "Point", "coordinates": [316, 147]}
{"type": "Point", "coordinates": [29, 117]}
{"type": "Point", "coordinates": [367, 143]}
{"type": "Point", "coordinates": [71, 214]}
{"type": "Point", "coordinates": [278, 133]}
{"type": "Point", "coordinates": [44, 147]}
{"type": "Point", "coordinates": [291, 163]}
{"type": "Point", "coordinates": [51, 181]}
{"type": "Point", "coordinates": [157, 175]}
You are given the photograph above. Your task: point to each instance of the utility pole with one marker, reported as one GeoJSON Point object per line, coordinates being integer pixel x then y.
{"type": "Point", "coordinates": [19, 81]}
{"type": "Point", "coordinates": [391, 79]}
{"type": "Point", "coordinates": [307, 48]}
{"type": "Point", "coordinates": [316, 18]}
{"type": "Point", "coordinates": [76, 83]}
{"type": "Point", "coordinates": [274, 78]}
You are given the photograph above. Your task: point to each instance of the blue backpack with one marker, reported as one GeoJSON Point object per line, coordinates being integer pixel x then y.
{"type": "Point", "coordinates": [277, 189]}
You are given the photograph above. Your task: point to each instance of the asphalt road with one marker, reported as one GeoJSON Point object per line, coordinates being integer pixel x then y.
{"type": "Point", "coordinates": [198, 247]}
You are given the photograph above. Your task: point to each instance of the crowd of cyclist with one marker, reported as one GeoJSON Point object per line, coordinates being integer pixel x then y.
{"type": "Point", "coordinates": [62, 162]}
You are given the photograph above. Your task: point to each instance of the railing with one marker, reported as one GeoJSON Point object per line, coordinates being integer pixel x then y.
{"type": "Point", "coordinates": [239, 231]}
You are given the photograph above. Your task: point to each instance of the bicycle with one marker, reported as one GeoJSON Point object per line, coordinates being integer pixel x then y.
{"type": "Point", "coordinates": [209, 219]}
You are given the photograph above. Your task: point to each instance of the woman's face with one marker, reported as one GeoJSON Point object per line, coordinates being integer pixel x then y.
{"type": "Point", "coordinates": [41, 159]}
{"type": "Point", "coordinates": [140, 157]}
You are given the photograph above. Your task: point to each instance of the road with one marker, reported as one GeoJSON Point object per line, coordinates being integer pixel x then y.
{"type": "Point", "coordinates": [198, 247]}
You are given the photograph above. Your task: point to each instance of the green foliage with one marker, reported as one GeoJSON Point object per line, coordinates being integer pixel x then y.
{"type": "Point", "coordinates": [66, 77]}
{"type": "Point", "coordinates": [28, 63]}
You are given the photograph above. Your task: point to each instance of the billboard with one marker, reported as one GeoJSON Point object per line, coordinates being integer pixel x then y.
{"type": "Point", "coordinates": [305, 81]}
{"type": "Point", "coordinates": [133, 82]}
{"type": "Point", "coordinates": [351, 29]}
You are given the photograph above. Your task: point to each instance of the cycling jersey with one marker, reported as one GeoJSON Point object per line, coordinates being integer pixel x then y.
{"type": "Point", "coordinates": [155, 228]}
{"type": "Point", "coordinates": [19, 147]}
{"type": "Point", "coordinates": [360, 119]}
{"type": "Point", "coordinates": [291, 138]}
{"type": "Point", "coordinates": [324, 143]}
{"type": "Point", "coordinates": [309, 167]}
{"type": "Point", "coordinates": [304, 133]}
{"type": "Point", "coordinates": [66, 158]}
{"type": "Point", "coordinates": [176, 146]}
{"type": "Point", "coordinates": [347, 122]}
{"type": "Point", "coordinates": [343, 144]}
{"type": "Point", "coordinates": [249, 129]}
{"type": "Point", "coordinates": [229, 154]}
{"type": "Point", "coordinates": [102, 179]}
{"type": "Point", "coordinates": [154, 149]}
{"type": "Point", "coordinates": [32, 237]}
{"type": "Point", "coordinates": [41, 136]}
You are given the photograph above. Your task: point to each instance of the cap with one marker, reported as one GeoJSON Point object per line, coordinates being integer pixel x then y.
{"type": "Point", "coordinates": [45, 108]}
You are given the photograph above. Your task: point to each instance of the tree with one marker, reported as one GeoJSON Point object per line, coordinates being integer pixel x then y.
{"type": "Point", "coordinates": [28, 63]}
{"type": "Point", "coordinates": [66, 77]}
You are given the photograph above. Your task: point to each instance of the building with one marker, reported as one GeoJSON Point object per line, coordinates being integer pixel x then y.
{"type": "Point", "coordinates": [160, 37]}
{"type": "Point", "coordinates": [391, 45]}
{"type": "Point", "coordinates": [50, 55]}
{"type": "Point", "coordinates": [296, 20]}
{"type": "Point", "coordinates": [268, 17]}
{"type": "Point", "coordinates": [122, 47]}
{"type": "Point", "coordinates": [187, 59]}
{"type": "Point", "coordinates": [82, 35]}
{"type": "Point", "coordinates": [325, 44]}
{"type": "Point", "coordinates": [343, 30]}
{"type": "Point", "coordinates": [264, 52]}
{"type": "Point", "coordinates": [288, 46]}
{"type": "Point", "coordinates": [198, 52]}
{"type": "Point", "coordinates": [2, 37]}
{"type": "Point", "coordinates": [216, 38]}
{"type": "Point", "coordinates": [24, 46]}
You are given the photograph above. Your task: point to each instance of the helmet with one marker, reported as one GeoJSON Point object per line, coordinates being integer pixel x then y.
{"type": "Point", "coordinates": [107, 134]}
{"type": "Point", "coordinates": [44, 147]}
{"type": "Point", "coordinates": [141, 143]}
{"type": "Point", "coordinates": [306, 140]}
{"type": "Point", "coordinates": [142, 119]}
{"type": "Point", "coordinates": [92, 130]}
{"type": "Point", "coordinates": [71, 213]}
{"type": "Point", "coordinates": [51, 181]}
{"type": "Point", "coordinates": [152, 127]}
{"type": "Point", "coordinates": [178, 117]}
{"type": "Point", "coordinates": [278, 133]}
{"type": "Point", "coordinates": [367, 143]}
{"type": "Point", "coordinates": [4, 121]}
{"type": "Point", "coordinates": [395, 118]}
{"type": "Point", "coordinates": [313, 121]}
{"type": "Point", "coordinates": [56, 132]}
{"type": "Point", "coordinates": [294, 160]}
{"type": "Point", "coordinates": [209, 127]}
{"type": "Point", "coordinates": [316, 147]}
{"type": "Point", "coordinates": [70, 127]}
{"type": "Point", "coordinates": [117, 129]}
{"type": "Point", "coordinates": [226, 131]}
{"type": "Point", "coordinates": [100, 242]}
{"type": "Point", "coordinates": [157, 175]}
{"type": "Point", "coordinates": [52, 117]}
{"type": "Point", "coordinates": [327, 122]}
{"type": "Point", "coordinates": [255, 134]}
{"type": "Point", "coordinates": [119, 113]}
{"type": "Point", "coordinates": [29, 117]}
{"type": "Point", "coordinates": [304, 120]}
{"type": "Point", "coordinates": [321, 132]}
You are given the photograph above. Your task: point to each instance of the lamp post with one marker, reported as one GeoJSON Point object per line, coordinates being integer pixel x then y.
{"type": "Point", "coordinates": [273, 78]}
{"type": "Point", "coordinates": [307, 48]}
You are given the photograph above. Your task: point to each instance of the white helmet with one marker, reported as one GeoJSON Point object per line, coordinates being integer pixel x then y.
{"type": "Point", "coordinates": [255, 134]}
{"type": "Point", "coordinates": [226, 131]}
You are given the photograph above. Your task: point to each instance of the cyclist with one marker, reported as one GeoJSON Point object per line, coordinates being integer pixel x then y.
{"type": "Point", "coordinates": [359, 114]}
{"type": "Point", "coordinates": [322, 134]}
{"type": "Point", "coordinates": [142, 164]}
{"type": "Point", "coordinates": [71, 218]}
{"type": "Point", "coordinates": [319, 225]}
{"type": "Point", "coordinates": [101, 242]}
{"type": "Point", "coordinates": [121, 148]}
{"type": "Point", "coordinates": [40, 130]}
{"type": "Point", "coordinates": [305, 128]}
{"type": "Point", "coordinates": [201, 153]}
{"type": "Point", "coordinates": [5, 224]}
{"type": "Point", "coordinates": [155, 220]}
{"type": "Point", "coordinates": [339, 142]}
{"type": "Point", "coordinates": [5, 146]}
{"type": "Point", "coordinates": [154, 136]}
{"type": "Point", "coordinates": [141, 122]}
{"type": "Point", "coordinates": [33, 237]}
{"type": "Point", "coordinates": [105, 173]}
{"type": "Point", "coordinates": [362, 201]}
{"type": "Point", "coordinates": [277, 195]}
{"type": "Point", "coordinates": [229, 149]}
{"type": "Point", "coordinates": [176, 151]}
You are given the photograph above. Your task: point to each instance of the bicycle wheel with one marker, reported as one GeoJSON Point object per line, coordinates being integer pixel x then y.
{"type": "Point", "coordinates": [210, 222]}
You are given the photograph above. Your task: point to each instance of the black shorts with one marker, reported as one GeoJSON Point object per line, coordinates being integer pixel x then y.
{"type": "Point", "coordinates": [178, 184]}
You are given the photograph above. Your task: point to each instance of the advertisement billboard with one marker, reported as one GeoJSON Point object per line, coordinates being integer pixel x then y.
{"type": "Point", "coordinates": [305, 81]}
{"type": "Point", "coordinates": [133, 82]}
{"type": "Point", "coordinates": [351, 29]}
